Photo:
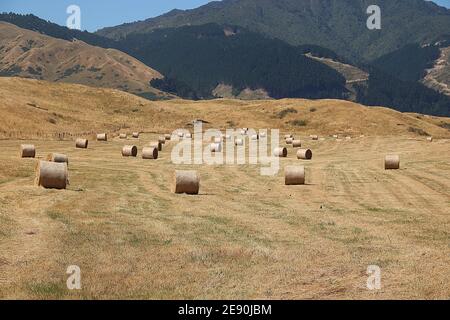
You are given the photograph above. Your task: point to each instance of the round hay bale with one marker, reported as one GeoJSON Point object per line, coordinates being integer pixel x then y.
{"type": "Point", "coordinates": [188, 136]}
{"type": "Point", "coordinates": [296, 143]}
{"type": "Point", "coordinates": [304, 154]}
{"type": "Point", "coordinates": [348, 138]}
{"type": "Point", "coordinates": [180, 134]}
{"type": "Point", "coordinates": [129, 151]}
{"type": "Point", "coordinates": [392, 162]}
{"type": "Point", "coordinates": [27, 151]}
{"type": "Point", "coordinates": [335, 136]}
{"type": "Point", "coordinates": [280, 152]}
{"type": "Point", "coordinates": [81, 143]}
{"type": "Point", "coordinates": [255, 137]}
{"type": "Point", "coordinates": [51, 175]}
{"type": "Point", "coordinates": [156, 144]}
{"type": "Point", "coordinates": [289, 140]}
{"type": "Point", "coordinates": [239, 142]}
{"type": "Point", "coordinates": [430, 139]}
{"type": "Point", "coordinates": [123, 136]}
{"type": "Point", "coordinates": [315, 137]}
{"type": "Point", "coordinates": [167, 137]}
{"type": "Point", "coordinates": [186, 182]}
{"type": "Point", "coordinates": [102, 137]}
{"type": "Point", "coordinates": [162, 140]}
{"type": "Point", "coordinates": [243, 132]}
{"type": "Point", "coordinates": [263, 134]}
{"type": "Point", "coordinates": [294, 175]}
{"type": "Point", "coordinates": [287, 136]}
{"type": "Point", "coordinates": [215, 147]}
{"type": "Point", "coordinates": [150, 153]}
{"type": "Point", "coordinates": [58, 157]}
{"type": "Point", "coordinates": [136, 135]}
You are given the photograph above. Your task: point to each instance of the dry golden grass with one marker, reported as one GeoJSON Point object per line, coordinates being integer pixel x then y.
{"type": "Point", "coordinates": [245, 236]}
{"type": "Point", "coordinates": [42, 57]}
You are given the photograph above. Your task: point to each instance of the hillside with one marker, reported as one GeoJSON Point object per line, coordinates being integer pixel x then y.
{"type": "Point", "coordinates": [337, 25]}
{"type": "Point", "coordinates": [437, 76]}
{"type": "Point", "coordinates": [203, 57]}
{"type": "Point", "coordinates": [27, 104]}
{"type": "Point", "coordinates": [30, 54]}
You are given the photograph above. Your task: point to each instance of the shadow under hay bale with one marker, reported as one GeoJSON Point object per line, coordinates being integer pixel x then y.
{"type": "Point", "coordinates": [51, 175]}
{"type": "Point", "coordinates": [294, 175]}
{"type": "Point", "coordinates": [27, 151]}
{"type": "Point", "coordinates": [187, 182]}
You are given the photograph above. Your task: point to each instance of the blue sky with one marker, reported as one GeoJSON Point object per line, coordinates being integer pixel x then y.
{"type": "Point", "coordinates": [96, 14]}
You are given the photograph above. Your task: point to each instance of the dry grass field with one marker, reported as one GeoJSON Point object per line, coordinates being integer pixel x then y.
{"type": "Point", "coordinates": [245, 236]}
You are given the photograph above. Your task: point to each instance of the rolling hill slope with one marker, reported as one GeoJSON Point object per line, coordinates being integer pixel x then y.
{"type": "Point", "coordinates": [30, 54]}
{"type": "Point", "coordinates": [42, 110]}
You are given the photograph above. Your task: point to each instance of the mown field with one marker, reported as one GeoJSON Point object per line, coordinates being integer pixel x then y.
{"type": "Point", "coordinates": [245, 236]}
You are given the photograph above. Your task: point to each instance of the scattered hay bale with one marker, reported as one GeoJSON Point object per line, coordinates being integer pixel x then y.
{"type": "Point", "coordinates": [215, 147]}
{"type": "Point", "coordinates": [27, 151]}
{"type": "Point", "coordinates": [58, 157]}
{"type": "Point", "coordinates": [150, 153]}
{"type": "Point", "coordinates": [294, 175]}
{"type": "Point", "coordinates": [102, 137]}
{"type": "Point", "coordinates": [180, 134]}
{"type": "Point", "coordinates": [287, 136]}
{"type": "Point", "coordinates": [280, 152]}
{"type": "Point", "coordinates": [296, 143]}
{"type": "Point", "coordinates": [51, 175]}
{"type": "Point", "coordinates": [162, 140]}
{"type": "Point", "coordinates": [392, 162]}
{"type": "Point", "coordinates": [123, 136]}
{"type": "Point", "coordinates": [304, 154]}
{"type": "Point", "coordinates": [263, 134]}
{"type": "Point", "coordinates": [255, 137]}
{"type": "Point", "coordinates": [167, 137]}
{"type": "Point", "coordinates": [335, 136]}
{"type": "Point", "coordinates": [135, 135]}
{"type": "Point", "coordinates": [314, 137]}
{"type": "Point", "coordinates": [188, 136]}
{"type": "Point", "coordinates": [243, 132]}
{"type": "Point", "coordinates": [156, 144]}
{"type": "Point", "coordinates": [81, 143]}
{"type": "Point", "coordinates": [348, 138]}
{"type": "Point", "coordinates": [186, 182]}
{"type": "Point", "coordinates": [129, 151]}
{"type": "Point", "coordinates": [289, 140]}
{"type": "Point", "coordinates": [430, 139]}
{"type": "Point", "coordinates": [239, 142]}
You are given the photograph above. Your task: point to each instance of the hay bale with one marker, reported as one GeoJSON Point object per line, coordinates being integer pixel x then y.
{"type": "Point", "coordinates": [27, 151]}
{"type": "Point", "coordinates": [102, 137]}
{"type": "Point", "coordinates": [186, 182]}
{"type": "Point", "coordinates": [263, 134]}
{"type": "Point", "coordinates": [180, 134]}
{"type": "Point", "coordinates": [430, 139]}
{"type": "Point", "coordinates": [150, 153]}
{"type": "Point", "coordinates": [81, 143]}
{"type": "Point", "coordinates": [304, 154]}
{"type": "Point", "coordinates": [51, 175]}
{"type": "Point", "coordinates": [255, 137]}
{"type": "Point", "coordinates": [135, 135]}
{"type": "Point", "coordinates": [123, 136]}
{"type": "Point", "coordinates": [280, 152]}
{"type": "Point", "coordinates": [162, 140]}
{"type": "Point", "coordinates": [314, 137]}
{"type": "Point", "coordinates": [156, 144]}
{"type": "Point", "coordinates": [294, 175]}
{"type": "Point", "coordinates": [392, 162]}
{"type": "Point", "coordinates": [243, 132]}
{"type": "Point", "coordinates": [227, 137]}
{"type": "Point", "coordinates": [335, 136]}
{"type": "Point", "coordinates": [129, 151]}
{"type": "Point", "coordinates": [167, 137]}
{"type": "Point", "coordinates": [215, 147]}
{"type": "Point", "coordinates": [287, 136]}
{"type": "Point", "coordinates": [188, 136]}
{"type": "Point", "coordinates": [289, 140]}
{"type": "Point", "coordinates": [58, 157]}
{"type": "Point", "coordinates": [296, 143]}
{"type": "Point", "coordinates": [239, 142]}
